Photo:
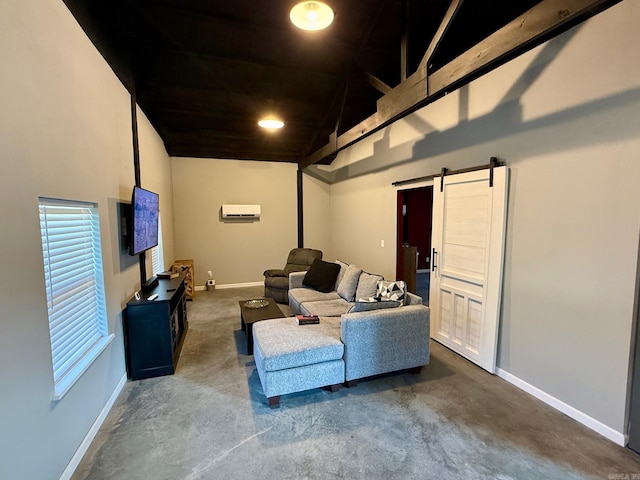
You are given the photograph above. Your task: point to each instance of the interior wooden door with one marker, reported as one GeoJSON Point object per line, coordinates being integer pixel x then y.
{"type": "Point", "coordinates": [469, 216]}
{"type": "Point", "coordinates": [410, 267]}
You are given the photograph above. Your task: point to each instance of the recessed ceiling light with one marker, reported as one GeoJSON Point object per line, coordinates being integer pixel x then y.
{"type": "Point", "coordinates": [271, 123]}
{"type": "Point", "coordinates": [311, 15]}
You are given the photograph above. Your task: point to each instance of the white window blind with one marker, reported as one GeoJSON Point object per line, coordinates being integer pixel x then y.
{"type": "Point", "coordinates": [157, 257]}
{"type": "Point", "coordinates": [74, 286]}
{"type": "Point", "coordinates": [155, 260]}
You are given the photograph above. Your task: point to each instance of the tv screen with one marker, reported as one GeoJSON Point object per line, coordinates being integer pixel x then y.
{"type": "Point", "coordinates": [144, 224]}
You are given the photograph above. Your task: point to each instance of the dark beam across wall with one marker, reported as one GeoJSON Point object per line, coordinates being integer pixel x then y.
{"type": "Point", "coordinates": [544, 21]}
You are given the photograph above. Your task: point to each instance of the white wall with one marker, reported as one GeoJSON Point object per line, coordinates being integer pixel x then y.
{"type": "Point", "coordinates": [363, 212]}
{"type": "Point", "coordinates": [565, 118]}
{"type": "Point", "coordinates": [236, 251]}
{"type": "Point", "coordinates": [65, 132]}
{"type": "Point", "coordinates": [317, 210]}
{"type": "Point", "coordinates": [155, 175]}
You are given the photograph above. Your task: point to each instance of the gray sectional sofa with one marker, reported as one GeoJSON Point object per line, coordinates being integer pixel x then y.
{"type": "Point", "coordinates": [375, 341]}
{"type": "Point", "coordinates": [348, 344]}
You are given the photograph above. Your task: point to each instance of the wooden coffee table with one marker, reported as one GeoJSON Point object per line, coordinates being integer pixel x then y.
{"type": "Point", "coordinates": [249, 316]}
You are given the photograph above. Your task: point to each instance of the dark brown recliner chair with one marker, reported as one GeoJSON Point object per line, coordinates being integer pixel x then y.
{"type": "Point", "coordinates": [276, 281]}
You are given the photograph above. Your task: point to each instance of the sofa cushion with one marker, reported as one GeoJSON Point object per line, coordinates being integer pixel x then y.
{"type": "Point", "coordinates": [373, 303]}
{"type": "Point", "coordinates": [392, 290]}
{"type": "Point", "coordinates": [349, 283]}
{"type": "Point", "coordinates": [326, 308]}
{"type": "Point", "coordinates": [298, 296]}
{"type": "Point", "coordinates": [321, 275]}
{"type": "Point", "coordinates": [303, 295]}
{"type": "Point", "coordinates": [412, 299]}
{"type": "Point", "coordinates": [368, 285]}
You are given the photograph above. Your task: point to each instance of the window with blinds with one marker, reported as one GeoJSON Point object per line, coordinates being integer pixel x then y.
{"type": "Point", "coordinates": [74, 287]}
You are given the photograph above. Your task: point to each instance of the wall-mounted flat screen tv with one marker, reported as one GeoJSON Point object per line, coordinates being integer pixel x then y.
{"type": "Point", "coordinates": [145, 208]}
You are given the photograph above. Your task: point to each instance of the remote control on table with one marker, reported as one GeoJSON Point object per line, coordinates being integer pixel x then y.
{"type": "Point", "coordinates": [153, 297]}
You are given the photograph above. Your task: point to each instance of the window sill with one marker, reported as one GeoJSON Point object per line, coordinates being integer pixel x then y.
{"type": "Point", "coordinates": [63, 385]}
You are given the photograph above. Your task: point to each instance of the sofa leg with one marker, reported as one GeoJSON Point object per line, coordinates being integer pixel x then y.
{"type": "Point", "coordinates": [332, 388]}
{"type": "Point", "coordinates": [274, 402]}
{"type": "Point", "coordinates": [416, 370]}
{"type": "Point", "coordinates": [351, 383]}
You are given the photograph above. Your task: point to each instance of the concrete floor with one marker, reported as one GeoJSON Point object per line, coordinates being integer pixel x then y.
{"type": "Point", "coordinates": [453, 420]}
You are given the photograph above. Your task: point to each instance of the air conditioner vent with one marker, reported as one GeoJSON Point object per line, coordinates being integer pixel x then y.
{"type": "Point", "coordinates": [241, 211]}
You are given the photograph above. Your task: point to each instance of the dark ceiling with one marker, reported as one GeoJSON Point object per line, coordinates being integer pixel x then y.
{"type": "Point", "coordinates": [205, 71]}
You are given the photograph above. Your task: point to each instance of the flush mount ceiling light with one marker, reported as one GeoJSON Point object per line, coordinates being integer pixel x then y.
{"type": "Point", "coordinates": [271, 123]}
{"type": "Point", "coordinates": [311, 15]}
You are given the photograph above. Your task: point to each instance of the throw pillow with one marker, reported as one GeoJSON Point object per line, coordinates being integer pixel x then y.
{"type": "Point", "coordinates": [392, 290]}
{"type": "Point", "coordinates": [321, 275]}
{"type": "Point", "coordinates": [343, 269]}
{"type": "Point", "coordinates": [347, 287]}
{"type": "Point", "coordinates": [367, 285]}
{"type": "Point", "coordinates": [372, 303]}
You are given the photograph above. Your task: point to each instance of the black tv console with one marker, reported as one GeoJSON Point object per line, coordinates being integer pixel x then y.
{"type": "Point", "coordinates": [154, 330]}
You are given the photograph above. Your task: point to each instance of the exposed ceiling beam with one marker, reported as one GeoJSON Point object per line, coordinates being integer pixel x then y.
{"type": "Point", "coordinates": [442, 29]}
{"type": "Point", "coordinates": [317, 133]}
{"type": "Point", "coordinates": [348, 75]}
{"type": "Point", "coordinates": [404, 41]}
{"type": "Point", "coordinates": [220, 152]}
{"type": "Point", "coordinates": [376, 83]}
{"type": "Point", "coordinates": [548, 18]}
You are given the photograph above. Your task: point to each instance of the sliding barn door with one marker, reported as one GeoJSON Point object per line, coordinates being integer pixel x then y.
{"type": "Point", "coordinates": [469, 218]}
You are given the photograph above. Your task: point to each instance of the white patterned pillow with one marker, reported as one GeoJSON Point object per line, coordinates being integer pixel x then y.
{"type": "Point", "coordinates": [392, 290]}
{"type": "Point", "coordinates": [373, 303]}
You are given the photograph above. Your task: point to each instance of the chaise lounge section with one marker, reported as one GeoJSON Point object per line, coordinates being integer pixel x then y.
{"type": "Point", "coordinates": [291, 358]}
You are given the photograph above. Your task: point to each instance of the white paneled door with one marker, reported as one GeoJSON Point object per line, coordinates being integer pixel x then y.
{"type": "Point", "coordinates": [469, 216]}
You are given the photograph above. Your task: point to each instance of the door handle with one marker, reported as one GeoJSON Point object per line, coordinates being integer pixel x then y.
{"type": "Point", "coordinates": [433, 260]}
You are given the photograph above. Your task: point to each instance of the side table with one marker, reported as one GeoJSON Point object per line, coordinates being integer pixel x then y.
{"type": "Point", "coordinates": [249, 316]}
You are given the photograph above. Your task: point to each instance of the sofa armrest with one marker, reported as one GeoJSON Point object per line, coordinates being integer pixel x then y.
{"type": "Point", "coordinates": [386, 340]}
{"type": "Point", "coordinates": [412, 299]}
{"type": "Point", "coordinates": [275, 272]}
{"type": "Point", "coordinates": [295, 280]}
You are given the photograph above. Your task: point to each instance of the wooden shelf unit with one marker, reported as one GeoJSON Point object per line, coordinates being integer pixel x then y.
{"type": "Point", "coordinates": [186, 266]}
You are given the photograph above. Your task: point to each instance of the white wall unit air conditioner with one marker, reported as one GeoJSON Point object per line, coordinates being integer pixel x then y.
{"type": "Point", "coordinates": [241, 211]}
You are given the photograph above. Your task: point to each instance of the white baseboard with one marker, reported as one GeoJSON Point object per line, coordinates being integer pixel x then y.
{"type": "Point", "coordinates": [240, 285]}
{"type": "Point", "coordinates": [232, 285]}
{"type": "Point", "coordinates": [577, 415]}
{"type": "Point", "coordinates": [93, 431]}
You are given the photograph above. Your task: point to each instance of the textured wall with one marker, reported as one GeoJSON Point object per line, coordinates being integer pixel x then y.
{"type": "Point", "coordinates": [317, 208]}
{"type": "Point", "coordinates": [565, 118]}
{"type": "Point", "coordinates": [155, 175]}
{"type": "Point", "coordinates": [66, 133]}
{"type": "Point", "coordinates": [236, 251]}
